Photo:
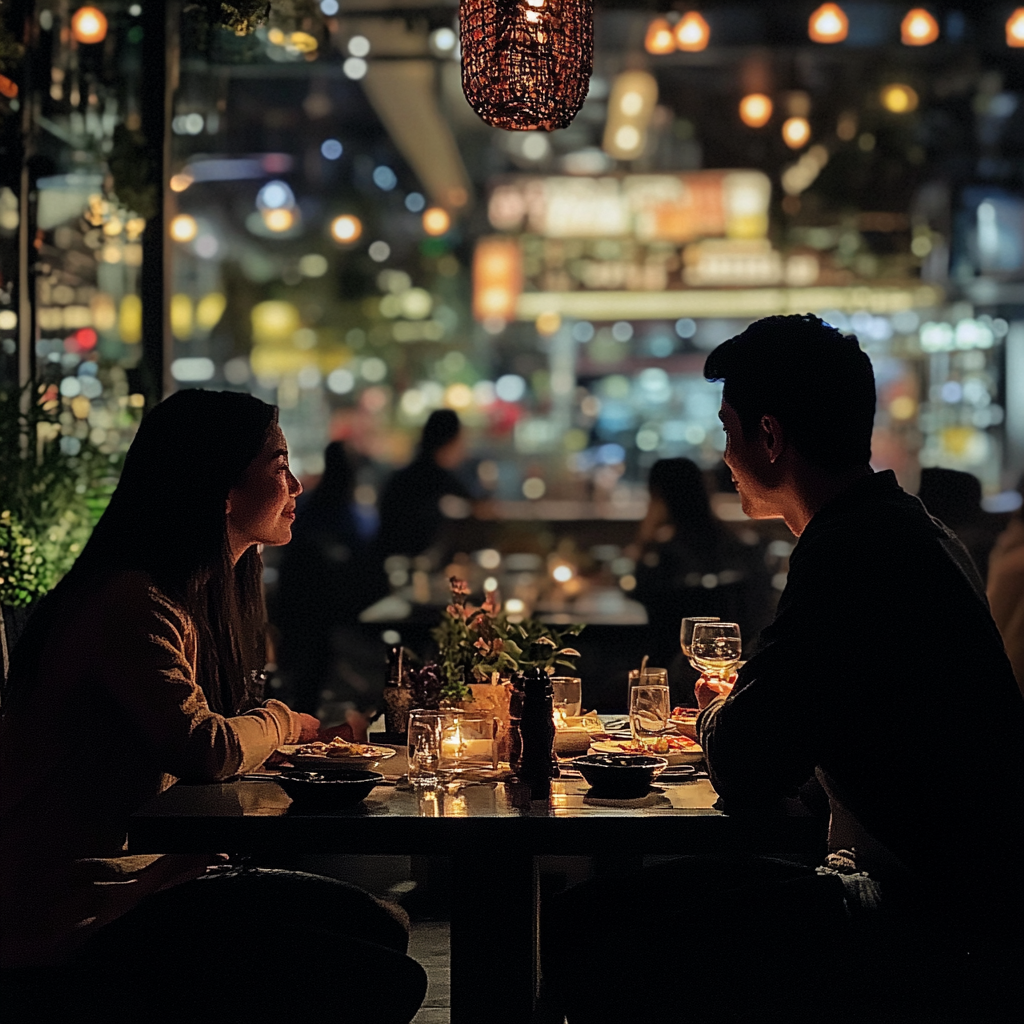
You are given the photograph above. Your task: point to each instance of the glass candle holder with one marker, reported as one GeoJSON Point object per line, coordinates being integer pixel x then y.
{"type": "Point", "coordinates": [467, 743]}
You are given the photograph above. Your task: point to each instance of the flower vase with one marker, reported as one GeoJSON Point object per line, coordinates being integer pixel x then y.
{"type": "Point", "coordinates": [493, 699]}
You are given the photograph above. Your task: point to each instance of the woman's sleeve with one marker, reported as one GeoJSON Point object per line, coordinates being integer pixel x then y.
{"type": "Point", "coordinates": [147, 664]}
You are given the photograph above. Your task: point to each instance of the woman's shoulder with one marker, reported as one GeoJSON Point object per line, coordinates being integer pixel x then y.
{"type": "Point", "coordinates": [133, 594]}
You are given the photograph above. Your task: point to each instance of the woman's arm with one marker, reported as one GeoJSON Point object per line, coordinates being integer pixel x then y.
{"type": "Point", "coordinates": [146, 660]}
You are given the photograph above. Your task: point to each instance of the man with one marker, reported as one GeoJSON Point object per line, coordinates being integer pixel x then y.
{"type": "Point", "coordinates": [884, 675]}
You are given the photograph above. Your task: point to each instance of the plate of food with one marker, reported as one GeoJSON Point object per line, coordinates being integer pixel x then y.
{"type": "Point", "coordinates": [685, 721]}
{"type": "Point", "coordinates": [675, 749]}
{"type": "Point", "coordinates": [336, 753]}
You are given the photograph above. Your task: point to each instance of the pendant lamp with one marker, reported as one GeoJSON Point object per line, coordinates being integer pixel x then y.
{"type": "Point", "coordinates": [526, 64]}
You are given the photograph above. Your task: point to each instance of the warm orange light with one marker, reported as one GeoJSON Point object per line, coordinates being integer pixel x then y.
{"type": "Point", "coordinates": [436, 221]}
{"type": "Point", "coordinates": [8, 88]}
{"type": "Point", "coordinates": [346, 228]}
{"type": "Point", "coordinates": [180, 181]}
{"type": "Point", "coordinates": [184, 228]}
{"type": "Point", "coordinates": [828, 24]}
{"type": "Point", "coordinates": [278, 220]}
{"type": "Point", "coordinates": [796, 132]}
{"type": "Point", "coordinates": [918, 28]}
{"type": "Point", "coordinates": [89, 25]}
{"type": "Point", "coordinates": [692, 32]}
{"type": "Point", "coordinates": [755, 110]}
{"type": "Point", "coordinates": [899, 99]}
{"type": "Point", "coordinates": [659, 37]}
{"type": "Point", "coordinates": [497, 279]}
{"type": "Point", "coordinates": [1015, 28]}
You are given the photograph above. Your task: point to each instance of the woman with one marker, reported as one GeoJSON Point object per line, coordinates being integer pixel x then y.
{"type": "Point", "coordinates": [140, 669]}
{"type": "Point", "coordinates": [689, 564]}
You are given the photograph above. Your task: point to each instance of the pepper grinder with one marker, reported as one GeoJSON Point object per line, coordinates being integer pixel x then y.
{"type": "Point", "coordinates": [532, 728]}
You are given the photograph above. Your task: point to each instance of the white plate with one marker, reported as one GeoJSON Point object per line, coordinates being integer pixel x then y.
{"type": "Point", "coordinates": [373, 756]}
{"type": "Point", "coordinates": [688, 756]}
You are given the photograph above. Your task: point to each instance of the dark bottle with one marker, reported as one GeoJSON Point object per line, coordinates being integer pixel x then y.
{"type": "Point", "coordinates": [532, 728]}
{"type": "Point", "coordinates": [397, 693]}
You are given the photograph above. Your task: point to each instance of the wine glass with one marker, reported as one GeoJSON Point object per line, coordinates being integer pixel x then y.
{"type": "Point", "coordinates": [715, 649]}
{"type": "Point", "coordinates": [686, 632]}
{"type": "Point", "coordinates": [649, 712]}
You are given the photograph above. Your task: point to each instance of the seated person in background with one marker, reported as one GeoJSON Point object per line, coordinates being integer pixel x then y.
{"type": "Point", "coordinates": [882, 654]}
{"type": "Point", "coordinates": [688, 563]}
{"type": "Point", "coordinates": [413, 502]}
{"type": "Point", "coordinates": [141, 669]}
{"type": "Point", "coordinates": [954, 498]}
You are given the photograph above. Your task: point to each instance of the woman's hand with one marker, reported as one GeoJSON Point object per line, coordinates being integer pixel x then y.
{"type": "Point", "coordinates": [310, 727]}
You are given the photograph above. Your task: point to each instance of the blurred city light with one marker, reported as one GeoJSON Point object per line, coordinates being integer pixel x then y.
{"type": "Point", "coordinates": [918, 28]}
{"type": "Point", "coordinates": [796, 132]}
{"type": "Point", "coordinates": [331, 149]}
{"type": "Point", "coordinates": [659, 38]}
{"type": "Point", "coordinates": [436, 221]}
{"type": "Point", "coordinates": [755, 110]}
{"type": "Point", "coordinates": [89, 25]}
{"type": "Point", "coordinates": [899, 99]}
{"type": "Point", "coordinates": [1015, 28]}
{"type": "Point", "coordinates": [692, 33]}
{"type": "Point", "coordinates": [183, 228]}
{"type": "Point", "coordinates": [346, 228]}
{"type": "Point", "coordinates": [828, 24]}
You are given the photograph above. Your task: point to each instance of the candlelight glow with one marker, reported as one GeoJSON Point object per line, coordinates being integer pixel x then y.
{"type": "Point", "coordinates": [559, 718]}
{"type": "Point", "coordinates": [918, 28]}
{"type": "Point", "coordinates": [755, 110]}
{"type": "Point", "coordinates": [89, 25]}
{"type": "Point", "coordinates": [659, 37]}
{"type": "Point", "coordinates": [796, 132]}
{"type": "Point", "coordinates": [346, 228]}
{"type": "Point", "coordinates": [692, 32]}
{"type": "Point", "coordinates": [828, 24]}
{"type": "Point", "coordinates": [1015, 28]}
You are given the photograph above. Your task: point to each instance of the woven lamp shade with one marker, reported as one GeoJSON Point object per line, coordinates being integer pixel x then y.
{"type": "Point", "coordinates": [526, 63]}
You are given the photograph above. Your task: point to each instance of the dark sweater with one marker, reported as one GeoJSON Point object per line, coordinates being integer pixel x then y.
{"type": "Point", "coordinates": [884, 671]}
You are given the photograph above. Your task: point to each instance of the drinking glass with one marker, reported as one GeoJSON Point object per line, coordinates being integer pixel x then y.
{"type": "Point", "coordinates": [649, 712]}
{"type": "Point", "coordinates": [568, 695]}
{"type": "Point", "coordinates": [424, 746]}
{"type": "Point", "coordinates": [651, 676]}
{"type": "Point", "coordinates": [716, 649]}
{"type": "Point", "coordinates": [686, 632]}
{"type": "Point", "coordinates": [467, 743]}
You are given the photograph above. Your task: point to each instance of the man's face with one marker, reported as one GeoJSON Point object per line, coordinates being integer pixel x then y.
{"type": "Point", "coordinates": [753, 472]}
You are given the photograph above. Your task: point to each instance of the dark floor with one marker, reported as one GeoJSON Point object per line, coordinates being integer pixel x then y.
{"type": "Point", "coordinates": [429, 946]}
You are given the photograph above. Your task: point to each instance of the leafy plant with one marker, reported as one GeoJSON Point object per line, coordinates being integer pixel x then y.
{"type": "Point", "coordinates": [479, 642]}
{"type": "Point", "coordinates": [53, 495]}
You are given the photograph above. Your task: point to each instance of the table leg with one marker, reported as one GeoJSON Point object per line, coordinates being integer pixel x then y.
{"type": "Point", "coordinates": [494, 938]}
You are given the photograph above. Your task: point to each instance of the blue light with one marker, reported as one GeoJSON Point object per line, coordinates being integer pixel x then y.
{"type": "Point", "coordinates": [610, 454]}
{"type": "Point", "coordinates": [274, 195]}
{"type": "Point", "coordinates": [384, 178]}
{"type": "Point", "coordinates": [686, 328]}
{"type": "Point", "coordinates": [331, 149]}
{"type": "Point", "coordinates": [414, 202]}
{"type": "Point", "coordinates": [329, 7]}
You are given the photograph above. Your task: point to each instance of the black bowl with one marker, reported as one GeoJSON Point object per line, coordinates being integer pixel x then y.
{"type": "Point", "coordinates": [328, 789]}
{"type": "Point", "coordinates": [620, 776]}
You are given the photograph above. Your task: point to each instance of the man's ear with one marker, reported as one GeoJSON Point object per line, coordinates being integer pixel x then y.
{"type": "Point", "coordinates": [773, 435]}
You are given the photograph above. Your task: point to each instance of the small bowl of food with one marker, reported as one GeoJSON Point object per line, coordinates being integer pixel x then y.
{"type": "Point", "coordinates": [328, 789]}
{"type": "Point", "coordinates": [620, 776]}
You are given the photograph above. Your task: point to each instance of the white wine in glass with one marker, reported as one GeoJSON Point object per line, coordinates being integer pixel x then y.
{"type": "Point", "coordinates": [686, 632]}
{"type": "Point", "coordinates": [716, 648]}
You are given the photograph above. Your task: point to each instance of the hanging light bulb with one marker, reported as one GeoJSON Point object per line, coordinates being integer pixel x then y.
{"type": "Point", "coordinates": [1015, 28]}
{"type": "Point", "coordinates": [526, 63]}
{"type": "Point", "coordinates": [89, 25]}
{"type": "Point", "coordinates": [659, 38]}
{"type": "Point", "coordinates": [828, 24]}
{"type": "Point", "coordinates": [755, 110]}
{"type": "Point", "coordinates": [692, 32]}
{"type": "Point", "coordinates": [918, 28]}
{"type": "Point", "coordinates": [796, 132]}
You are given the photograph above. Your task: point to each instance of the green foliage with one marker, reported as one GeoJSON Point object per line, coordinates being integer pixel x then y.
{"type": "Point", "coordinates": [50, 501]}
{"type": "Point", "coordinates": [476, 643]}
{"type": "Point", "coordinates": [129, 165]}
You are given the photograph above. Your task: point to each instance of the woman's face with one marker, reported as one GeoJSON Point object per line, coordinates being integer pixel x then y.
{"type": "Point", "coordinates": [261, 509]}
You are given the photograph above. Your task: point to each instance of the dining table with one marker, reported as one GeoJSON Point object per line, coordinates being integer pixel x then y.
{"type": "Point", "coordinates": [492, 829]}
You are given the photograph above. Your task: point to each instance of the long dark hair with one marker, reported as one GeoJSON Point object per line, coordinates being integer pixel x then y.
{"type": "Point", "coordinates": [680, 484]}
{"type": "Point", "coordinates": [167, 519]}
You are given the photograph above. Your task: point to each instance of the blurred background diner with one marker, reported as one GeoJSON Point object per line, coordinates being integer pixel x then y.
{"type": "Point", "coordinates": [486, 343]}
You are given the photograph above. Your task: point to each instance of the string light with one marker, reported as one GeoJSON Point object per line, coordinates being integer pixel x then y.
{"type": "Point", "coordinates": [828, 24]}
{"type": "Point", "coordinates": [184, 228]}
{"type": "Point", "coordinates": [659, 38]}
{"type": "Point", "coordinates": [346, 228]}
{"type": "Point", "coordinates": [436, 221]}
{"type": "Point", "coordinates": [918, 28]}
{"type": "Point", "coordinates": [89, 25]}
{"type": "Point", "coordinates": [1015, 28]}
{"type": "Point", "coordinates": [526, 64]}
{"type": "Point", "coordinates": [755, 110]}
{"type": "Point", "coordinates": [796, 132]}
{"type": "Point", "coordinates": [692, 33]}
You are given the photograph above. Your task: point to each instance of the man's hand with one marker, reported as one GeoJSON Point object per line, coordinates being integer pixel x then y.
{"type": "Point", "coordinates": [310, 727]}
{"type": "Point", "coordinates": [707, 690]}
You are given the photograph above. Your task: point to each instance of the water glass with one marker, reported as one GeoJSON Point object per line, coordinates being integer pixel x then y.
{"type": "Point", "coordinates": [650, 711]}
{"type": "Point", "coordinates": [652, 676]}
{"type": "Point", "coordinates": [424, 746]}
{"type": "Point", "coordinates": [567, 695]}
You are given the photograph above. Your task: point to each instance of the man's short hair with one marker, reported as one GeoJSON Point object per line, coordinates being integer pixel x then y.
{"type": "Point", "coordinates": [817, 382]}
